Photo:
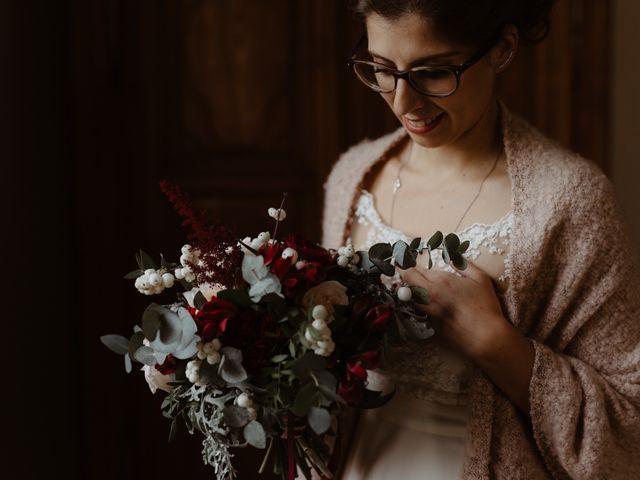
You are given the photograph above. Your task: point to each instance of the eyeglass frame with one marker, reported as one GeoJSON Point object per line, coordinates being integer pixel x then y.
{"type": "Point", "coordinates": [457, 70]}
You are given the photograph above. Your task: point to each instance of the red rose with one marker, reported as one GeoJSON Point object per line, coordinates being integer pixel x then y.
{"type": "Point", "coordinates": [212, 319]}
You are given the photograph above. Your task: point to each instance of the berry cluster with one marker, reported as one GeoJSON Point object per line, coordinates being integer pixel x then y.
{"type": "Point", "coordinates": [348, 258]}
{"type": "Point", "coordinates": [189, 257]}
{"type": "Point", "coordinates": [154, 281]}
{"type": "Point", "coordinates": [319, 336]}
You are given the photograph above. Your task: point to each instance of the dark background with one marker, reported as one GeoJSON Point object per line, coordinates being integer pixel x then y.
{"type": "Point", "coordinates": [236, 102]}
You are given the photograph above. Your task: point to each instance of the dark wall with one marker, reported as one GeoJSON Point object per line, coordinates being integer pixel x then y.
{"type": "Point", "coordinates": [100, 100]}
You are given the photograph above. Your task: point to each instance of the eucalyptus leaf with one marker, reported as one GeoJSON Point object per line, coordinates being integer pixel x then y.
{"type": "Point", "coordinates": [384, 267]}
{"type": "Point", "coordinates": [380, 251]}
{"type": "Point", "coordinates": [151, 322]}
{"type": "Point", "coordinates": [133, 275]}
{"type": "Point", "coordinates": [445, 255]}
{"type": "Point", "coordinates": [235, 416]}
{"type": "Point", "coordinates": [326, 379]}
{"type": "Point", "coordinates": [365, 262]}
{"type": "Point", "coordinates": [237, 297]}
{"type": "Point", "coordinates": [435, 240]}
{"type": "Point", "coordinates": [139, 261]}
{"type": "Point", "coordinates": [232, 353]}
{"type": "Point", "coordinates": [199, 300]}
{"type": "Point", "coordinates": [145, 355]}
{"type": "Point", "coordinates": [276, 305]}
{"type": "Point", "coordinates": [452, 242]}
{"type": "Point", "coordinates": [463, 246]}
{"type": "Point", "coordinates": [135, 342]}
{"type": "Point", "coordinates": [415, 243]}
{"type": "Point", "coordinates": [319, 420]}
{"type": "Point", "coordinates": [420, 295]}
{"type": "Point", "coordinates": [173, 429]}
{"type": "Point", "coordinates": [254, 434]}
{"type": "Point", "coordinates": [127, 363]}
{"type": "Point", "coordinates": [404, 256]}
{"type": "Point", "coordinates": [232, 371]}
{"type": "Point", "coordinates": [292, 349]}
{"type": "Point", "coordinates": [147, 261]}
{"type": "Point", "coordinates": [308, 396]}
{"type": "Point", "coordinates": [458, 260]}
{"type": "Point", "coordinates": [209, 374]}
{"type": "Point", "coordinates": [116, 343]}
{"type": "Point", "coordinates": [164, 263]}
{"type": "Point", "coordinates": [279, 358]}
{"type": "Point", "coordinates": [309, 362]}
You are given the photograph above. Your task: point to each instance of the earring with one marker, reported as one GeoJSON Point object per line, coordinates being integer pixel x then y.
{"type": "Point", "coordinates": [506, 62]}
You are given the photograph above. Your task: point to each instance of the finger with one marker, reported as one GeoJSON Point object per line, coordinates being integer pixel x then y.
{"type": "Point", "coordinates": [413, 276]}
{"type": "Point", "coordinates": [472, 271]}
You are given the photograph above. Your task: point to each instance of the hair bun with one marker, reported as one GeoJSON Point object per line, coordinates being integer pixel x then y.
{"type": "Point", "coordinates": [468, 21]}
{"type": "Point", "coordinates": [533, 22]}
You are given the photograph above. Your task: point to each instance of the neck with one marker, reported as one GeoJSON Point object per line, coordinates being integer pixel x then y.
{"type": "Point", "coordinates": [468, 156]}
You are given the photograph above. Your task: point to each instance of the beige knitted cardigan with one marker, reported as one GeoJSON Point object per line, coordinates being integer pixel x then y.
{"type": "Point", "coordinates": [573, 292]}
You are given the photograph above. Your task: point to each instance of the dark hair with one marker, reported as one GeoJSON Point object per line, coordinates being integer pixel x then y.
{"type": "Point", "coordinates": [468, 22]}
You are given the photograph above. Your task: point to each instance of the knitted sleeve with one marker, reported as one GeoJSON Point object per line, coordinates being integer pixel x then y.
{"type": "Point", "coordinates": [585, 385]}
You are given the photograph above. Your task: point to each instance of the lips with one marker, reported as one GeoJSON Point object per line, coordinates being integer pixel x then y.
{"type": "Point", "coordinates": [422, 125]}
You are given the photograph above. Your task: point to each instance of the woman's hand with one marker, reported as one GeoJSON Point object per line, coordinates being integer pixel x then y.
{"type": "Point", "coordinates": [464, 309]}
{"type": "Point", "coordinates": [467, 317]}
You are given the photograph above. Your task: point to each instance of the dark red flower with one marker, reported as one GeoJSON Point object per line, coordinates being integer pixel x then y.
{"type": "Point", "coordinates": [281, 266]}
{"type": "Point", "coordinates": [377, 317]}
{"type": "Point", "coordinates": [270, 252]}
{"type": "Point", "coordinates": [168, 367]}
{"type": "Point", "coordinates": [213, 318]}
{"type": "Point", "coordinates": [351, 389]}
{"type": "Point", "coordinates": [308, 251]}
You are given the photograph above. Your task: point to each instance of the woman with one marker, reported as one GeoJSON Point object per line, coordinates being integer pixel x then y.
{"type": "Point", "coordinates": [534, 370]}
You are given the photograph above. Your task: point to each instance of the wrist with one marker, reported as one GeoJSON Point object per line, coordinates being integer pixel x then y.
{"type": "Point", "coordinates": [496, 332]}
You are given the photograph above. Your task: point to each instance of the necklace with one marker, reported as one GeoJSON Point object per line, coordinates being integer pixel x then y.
{"type": "Point", "coordinates": [397, 184]}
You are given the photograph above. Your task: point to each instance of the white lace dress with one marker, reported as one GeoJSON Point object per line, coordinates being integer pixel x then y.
{"type": "Point", "coordinates": [420, 433]}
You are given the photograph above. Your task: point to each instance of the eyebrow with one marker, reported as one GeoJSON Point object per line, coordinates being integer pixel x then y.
{"type": "Point", "coordinates": [422, 60]}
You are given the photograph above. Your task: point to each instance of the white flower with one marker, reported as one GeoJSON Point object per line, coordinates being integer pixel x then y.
{"type": "Point", "coordinates": [257, 274]}
{"type": "Point", "coordinates": [157, 380]}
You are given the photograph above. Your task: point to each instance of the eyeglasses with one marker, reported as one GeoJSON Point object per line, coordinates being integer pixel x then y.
{"type": "Point", "coordinates": [430, 80]}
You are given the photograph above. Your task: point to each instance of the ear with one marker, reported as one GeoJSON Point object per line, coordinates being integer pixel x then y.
{"type": "Point", "coordinates": [504, 52]}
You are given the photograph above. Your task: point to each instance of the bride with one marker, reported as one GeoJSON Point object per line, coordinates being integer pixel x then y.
{"type": "Point", "coordinates": [534, 369]}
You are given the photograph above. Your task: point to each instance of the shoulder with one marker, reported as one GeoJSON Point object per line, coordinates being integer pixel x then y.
{"type": "Point", "coordinates": [354, 162]}
{"type": "Point", "coordinates": [550, 175]}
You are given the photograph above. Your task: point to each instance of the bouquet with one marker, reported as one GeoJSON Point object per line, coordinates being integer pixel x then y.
{"type": "Point", "coordinates": [268, 339]}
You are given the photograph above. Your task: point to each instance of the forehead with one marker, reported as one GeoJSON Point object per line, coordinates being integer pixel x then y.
{"type": "Point", "coordinates": [405, 38]}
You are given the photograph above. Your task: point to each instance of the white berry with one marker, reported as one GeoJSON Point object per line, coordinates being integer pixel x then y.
{"type": "Point", "coordinates": [343, 261]}
{"type": "Point", "coordinates": [244, 400]}
{"type": "Point", "coordinates": [404, 294]}
{"type": "Point", "coordinates": [320, 312]}
{"type": "Point", "coordinates": [290, 253]}
{"type": "Point", "coordinates": [167, 280]}
{"type": "Point", "coordinates": [213, 358]}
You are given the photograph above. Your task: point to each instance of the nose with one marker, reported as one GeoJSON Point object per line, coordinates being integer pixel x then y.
{"type": "Point", "coordinates": [406, 99]}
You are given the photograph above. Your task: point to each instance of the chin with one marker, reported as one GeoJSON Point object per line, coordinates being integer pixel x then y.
{"type": "Point", "coordinates": [429, 140]}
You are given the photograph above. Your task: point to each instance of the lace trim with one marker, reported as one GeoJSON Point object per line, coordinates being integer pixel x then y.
{"type": "Point", "coordinates": [493, 237]}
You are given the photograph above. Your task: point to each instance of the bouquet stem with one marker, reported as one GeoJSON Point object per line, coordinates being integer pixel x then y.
{"type": "Point", "coordinates": [291, 453]}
